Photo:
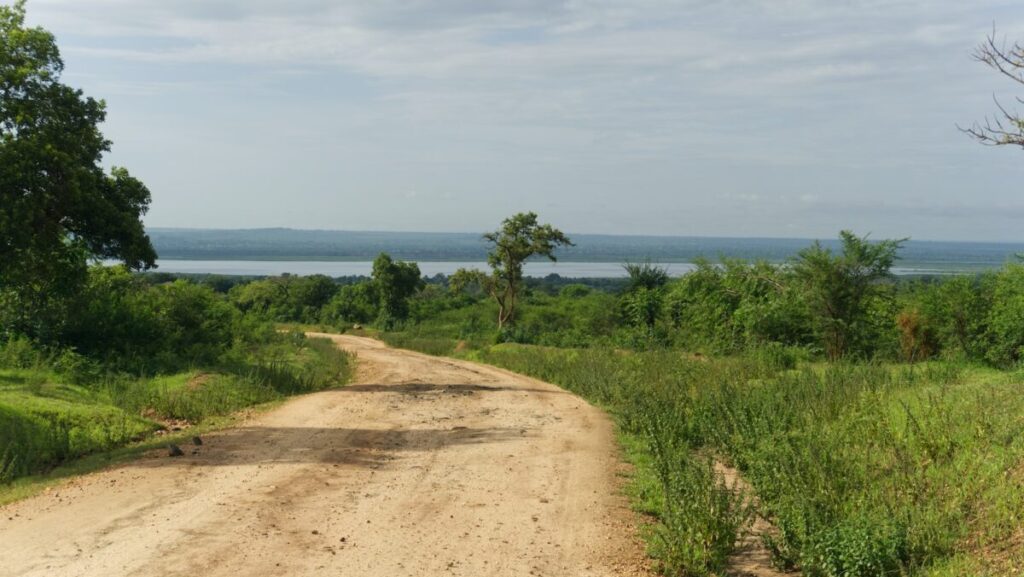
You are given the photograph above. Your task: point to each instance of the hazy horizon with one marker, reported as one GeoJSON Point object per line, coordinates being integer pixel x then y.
{"type": "Point", "coordinates": [833, 237]}
{"type": "Point", "coordinates": [325, 252]}
{"type": "Point", "coordinates": [740, 118]}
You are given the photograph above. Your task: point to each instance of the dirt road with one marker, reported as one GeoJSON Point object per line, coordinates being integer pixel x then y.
{"type": "Point", "coordinates": [424, 466]}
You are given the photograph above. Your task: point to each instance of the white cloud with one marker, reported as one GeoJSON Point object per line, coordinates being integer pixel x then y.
{"type": "Point", "coordinates": [757, 97]}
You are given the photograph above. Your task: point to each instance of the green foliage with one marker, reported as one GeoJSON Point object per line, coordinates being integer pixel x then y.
{"type": "Point", "coordinates": [698, 515]}
{"type": "Point", "coordinates": [702, 308]}
{"type": "Point", "coordinates": [40, 427]}
{"type": "Point", "coordinates": [58, 207]}
{"type": "Point", "coordinates": [726, 308]}
{"type": "Point", "coordinates": [21, 353]}
{"type": "Point", "coordinates": [356, 303]}
{"type": "Point", "coordinates": [45, 420]}
{"type": "Point", "coordinates": [956, 309]}
{"type": "Point", "coordinates": [520, 238]}
{"type": "Point", "coordinates": [839, 289]}
{"type": "Point", "coordinates": [395, 282]}
{"type": "Point", "coordinates": [128, 324]}
{"type": "Point", "coordinates": [288, 298]}
{"type": "Point", "coordinates": [864, 469]}
{"type": "Point", "coordinates": [574, 291]}
{"type": "Point", "coordinates": [645, 275]}
{"type": "Point", "coordinates": [860, 546]}
{"type": "Point", "coordinates": [552, 320]}
{"type": "Point", "coordinates": [642, 302]}
{"type": "Point", "coordinates": [1006, 317]}
{"type": "Point", "coordinates": [642, 306]}
{"type": "Point", "coordinates": [122, 323]}
{"type": "Point", "coordinates": [736, 306]}
{"type": "Point", "coordinates": [434, 300]}
{"type": "Point", "coordinates": [701, 516]}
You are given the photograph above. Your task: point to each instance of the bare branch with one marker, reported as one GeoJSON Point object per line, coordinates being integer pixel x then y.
{"type": "Point", "coordinates": [1006, 128]}
{"type": "Point", "coordinates": [1008, 61]}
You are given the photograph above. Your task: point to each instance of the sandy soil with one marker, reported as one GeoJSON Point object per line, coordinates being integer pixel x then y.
{"type": "Point", "coordinates": [424, 466]}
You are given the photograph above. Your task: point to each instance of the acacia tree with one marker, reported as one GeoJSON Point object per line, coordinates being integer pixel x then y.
{"type": "Point", "coordinates": [838, 287]}
{"type": "Point", "coordinates": [394, 282]}
{"type": "Point", "coordinates": [58, 206]}
{"type": "Point", "coordinates": [519, 238]}
{"type": "Point", "coordinates": [1006, 127]}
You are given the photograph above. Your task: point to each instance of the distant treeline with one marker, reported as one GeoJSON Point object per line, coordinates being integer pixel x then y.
{"type": "Point", "coordinates": [549, 284]}
{"type": "Point", "coordinates": [721, 308]}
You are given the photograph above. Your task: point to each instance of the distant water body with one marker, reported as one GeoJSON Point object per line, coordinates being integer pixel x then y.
{"type": "Point", "coordinates": [260, 252]}
{"type": "Point", "coordinates": [340, 269]}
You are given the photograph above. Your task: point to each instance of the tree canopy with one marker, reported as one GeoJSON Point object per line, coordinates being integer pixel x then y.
{"type": "Point", "coordinates": [838, 287]}
{"type": "Point", "coordinates": [394, 282]}
{"type": "Point", "coordinates": [58, 206]}
{"type": "Point", "coordinates": [519, 238]}
{"type": "Point", "coordinates": [643, 299]}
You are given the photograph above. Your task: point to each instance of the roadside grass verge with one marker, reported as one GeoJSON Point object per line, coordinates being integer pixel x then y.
{"type": "Point", "coordinates": [430, 345]}
{"type": "Point", "coordinates": [864, 469]}
{"type": "Point", "coordinates": [43, 423]}
{"type": "Point", "coordinates": [47, 422]}
{"type": "Point", "coordinates": [32, 484]}
{"type": "Point", "coordinates": [447, 334]}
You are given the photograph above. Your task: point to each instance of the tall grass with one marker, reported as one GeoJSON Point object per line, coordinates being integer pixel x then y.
{"type": "Point", "coordinates": [865, 469]}
{"type": "Point", "coordinates": [698, 515]}
{"type": "Point", "coordinates": [41, 429]}
{"type": "Point", "coordinates": [430, 345]}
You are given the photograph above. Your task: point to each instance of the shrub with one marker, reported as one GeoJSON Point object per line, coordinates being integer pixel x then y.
{"type": "Point", "coordinates": [917, 339]}
{"type": "Point", "coordinates": [1006, 317]}
{"type": "Point", "coordinates": [356, 303]}
{"type": "Point", "coordinates": [286, 298]}
{"type": "Point", "coordinates": [574, 291]}
{"type": "Point", "coordinates": [21, 353]}
{"type": "Point", "coordinates": [859, 546]}
{"type": "Point", "coordinates": [838, 289]}
{"type": "Point", "coordinates": [700, 516]}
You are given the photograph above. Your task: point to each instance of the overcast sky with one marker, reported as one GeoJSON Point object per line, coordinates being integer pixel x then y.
{"type": "Point", "coordinates": [694, 117]}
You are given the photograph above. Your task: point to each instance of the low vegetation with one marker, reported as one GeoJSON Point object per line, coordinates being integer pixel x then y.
{"type": "Point", "coordinates": [139, 358]}
{"type": "Point", "coordinates": [879, 429]}
{"type": "Point", "coordinates": [864, 469]}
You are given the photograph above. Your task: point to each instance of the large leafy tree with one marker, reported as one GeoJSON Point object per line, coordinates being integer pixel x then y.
{"type": "Point", "coordinates": [838, 288]}
{"type": "Point", "coordinates": [58, 206]}
{"type": "Point", "coordinates": [395, 282]}
{"type": "Point", "coordinates": [519, 238]}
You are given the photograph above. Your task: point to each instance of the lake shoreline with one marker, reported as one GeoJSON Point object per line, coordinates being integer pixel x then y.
{"type": "Point", "coordinates": [534, 269]}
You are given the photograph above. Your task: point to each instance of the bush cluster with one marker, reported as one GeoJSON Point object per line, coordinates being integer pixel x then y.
{"type": "Point", "coordinates": [131, 354]}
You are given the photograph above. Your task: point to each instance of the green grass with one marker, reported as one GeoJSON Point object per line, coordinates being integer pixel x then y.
{"type": "Point", "coordinates": [46, 422]}
{"type": "Point", "coordinates": [29, 485]}
{"type": "Point", "coordinates": [865, 469]}
{"type": "Point", "coordinates": [43, 423]}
